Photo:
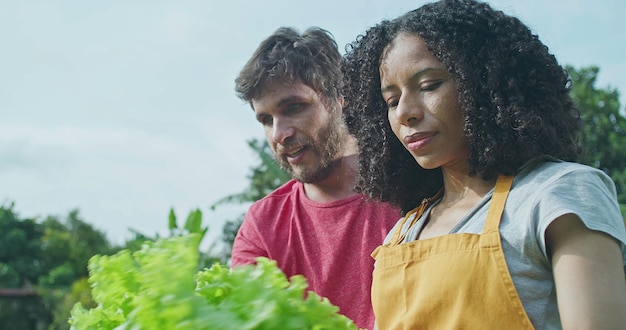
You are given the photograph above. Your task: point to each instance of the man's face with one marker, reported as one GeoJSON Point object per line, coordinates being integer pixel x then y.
{"type": "Point", "coordinates": [304, 134]}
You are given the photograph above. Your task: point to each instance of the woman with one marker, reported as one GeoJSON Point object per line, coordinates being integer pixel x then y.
{"type": "Point", "coordinates": [464, 118]}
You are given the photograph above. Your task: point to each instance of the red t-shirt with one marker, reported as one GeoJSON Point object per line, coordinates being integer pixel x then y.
{"type": "Point", "coordinates": [328, 243]}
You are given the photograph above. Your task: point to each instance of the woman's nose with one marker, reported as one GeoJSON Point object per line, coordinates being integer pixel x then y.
{"type": "Point", "coordinates": [408, 110]}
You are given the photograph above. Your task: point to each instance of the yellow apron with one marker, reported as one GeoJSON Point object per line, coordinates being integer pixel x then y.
{"type": "Point", "coordinates": [456, 281]}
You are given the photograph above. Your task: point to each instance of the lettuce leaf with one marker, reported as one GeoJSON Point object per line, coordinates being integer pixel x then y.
{"type": "Point", "coordinates": [159, 287]}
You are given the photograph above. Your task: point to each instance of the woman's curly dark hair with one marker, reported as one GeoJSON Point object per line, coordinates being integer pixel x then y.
{"type": "Point", "coordinates": [513, 94]}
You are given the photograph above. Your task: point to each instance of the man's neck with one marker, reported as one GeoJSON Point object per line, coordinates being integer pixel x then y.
{"type": "Point", "coordinates": [338, 185]}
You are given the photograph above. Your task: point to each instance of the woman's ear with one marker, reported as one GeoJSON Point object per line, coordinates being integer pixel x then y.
{"type": "Point", "coordinates": [342, 102]}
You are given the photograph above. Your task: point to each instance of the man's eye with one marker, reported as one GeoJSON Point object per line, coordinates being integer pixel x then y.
{"type": "Point", "coordinates": [265, 120]}
{"type": "Point", "coordinates": [294, 107]}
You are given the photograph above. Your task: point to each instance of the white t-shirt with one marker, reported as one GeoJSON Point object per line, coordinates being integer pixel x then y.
{"type": "Point", "coordinates": [542, 191]}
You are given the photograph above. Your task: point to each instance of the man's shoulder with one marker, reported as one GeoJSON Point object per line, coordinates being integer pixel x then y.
{"type": "Point", "coordinates": [281, 194]}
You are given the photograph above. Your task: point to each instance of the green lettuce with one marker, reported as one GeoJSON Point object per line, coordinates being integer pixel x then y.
{"type": "Point", "coordinates": [159, 287]}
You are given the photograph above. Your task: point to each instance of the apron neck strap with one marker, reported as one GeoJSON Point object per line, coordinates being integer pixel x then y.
{"type": "Point", "coordinates": [496, 208]}
{"type": "Point", "coordinates": [397, 237]}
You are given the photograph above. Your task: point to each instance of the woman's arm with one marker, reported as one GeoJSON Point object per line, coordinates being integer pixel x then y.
{"type": "Point", "coordinates": [589, 275]}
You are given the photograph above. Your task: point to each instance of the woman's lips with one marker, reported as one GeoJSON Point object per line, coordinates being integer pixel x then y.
{"type": "Point", "coordinates": [416, 141]}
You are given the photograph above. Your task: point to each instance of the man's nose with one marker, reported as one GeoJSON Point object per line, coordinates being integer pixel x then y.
{"type": "Point", "coordinates": [282, 130]}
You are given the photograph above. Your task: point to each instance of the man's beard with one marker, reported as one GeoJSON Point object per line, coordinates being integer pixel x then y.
{"type": "Point", "coordinates": [326, 147]}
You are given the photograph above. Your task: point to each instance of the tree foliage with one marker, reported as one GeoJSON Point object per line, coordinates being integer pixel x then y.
{"type": "Point", "coordinates": [21, 255]}
{"type": "Point", "coordinates": [48, 257]}
{"type": "Point", "coordinates": [67, 246]}
{"type": "Point", "coordinates": [264, 177]}
{"type": "Point", "coordinates": [604, 126]}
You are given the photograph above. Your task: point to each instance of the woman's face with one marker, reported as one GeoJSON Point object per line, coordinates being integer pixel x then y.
{"type": "Point", "coordinates": [422, 102]}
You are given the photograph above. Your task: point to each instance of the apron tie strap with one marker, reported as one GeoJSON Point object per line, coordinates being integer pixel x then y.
{"type": "Point", "coordinates": [500, 193]}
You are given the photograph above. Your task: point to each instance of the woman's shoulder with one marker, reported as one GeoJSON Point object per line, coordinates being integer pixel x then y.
{"type": "Point", "coordinates": [544, 171]}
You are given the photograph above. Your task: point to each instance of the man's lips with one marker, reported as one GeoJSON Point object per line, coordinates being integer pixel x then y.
{"type": "Point", "coordinates": [418, 140]}
{"type": "Point", "coordinates": [293, 152]}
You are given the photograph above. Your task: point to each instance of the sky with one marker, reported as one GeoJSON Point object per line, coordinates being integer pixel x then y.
{"type": "Point", "coordinates": [124, 109]}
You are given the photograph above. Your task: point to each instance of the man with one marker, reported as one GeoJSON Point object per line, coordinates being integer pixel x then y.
{"type": "Point", "coordinates": [315, 224]}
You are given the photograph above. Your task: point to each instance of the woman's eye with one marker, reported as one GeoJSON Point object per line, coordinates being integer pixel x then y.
{"type": "Point", "coordinates": [392, 104]}
{"type": "Point", "coordinates": [431, 86]}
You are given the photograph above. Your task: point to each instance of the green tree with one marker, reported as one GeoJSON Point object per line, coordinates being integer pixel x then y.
{"type": "Point", "coordinates": [20, 267]}
{"type": "Point", "coordinates": [44, 260]}
{"type": "Point", "coordinates": [265, 176]}
{"type": "Point", "coordinates": [67, 245]}
{"type": "Point", "coordinates": [604, 126]}
{"type": "Point", "coordinates": [20, 249]}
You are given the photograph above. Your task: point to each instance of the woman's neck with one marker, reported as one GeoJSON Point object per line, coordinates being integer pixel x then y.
{"type": "Point", "coordinates": [459, 186]}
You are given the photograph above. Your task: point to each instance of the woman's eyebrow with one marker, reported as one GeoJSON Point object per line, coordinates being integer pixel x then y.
{"type": "Point", "coordinates": [414, 76]}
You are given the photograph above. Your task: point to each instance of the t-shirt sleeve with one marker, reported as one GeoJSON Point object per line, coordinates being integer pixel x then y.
{"type": "Point", "coordinates": [586, 192]}
{"type": "Point", "coordinates": [247, 245]}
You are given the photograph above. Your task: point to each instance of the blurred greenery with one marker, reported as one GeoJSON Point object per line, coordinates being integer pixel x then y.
{"type": "Point", "coordinates": [604, 126]}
